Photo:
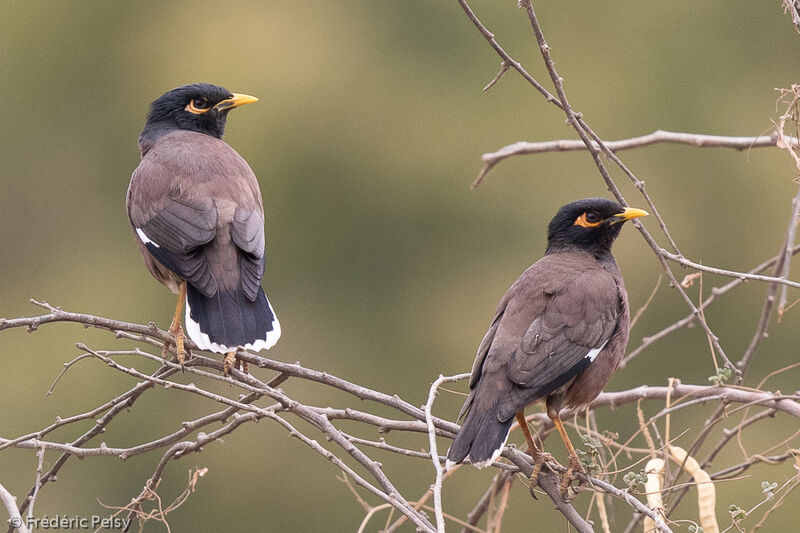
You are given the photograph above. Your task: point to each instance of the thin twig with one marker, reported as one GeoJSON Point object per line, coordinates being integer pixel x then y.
{"type": "Point", "coordinates": [434, 452]}
{"type": "Point", "coordinates": [698, 140]}
{"type": "Point", "coordinates": [504, 66]}
{"type": "Point", "coordinates": [730, 273]}
{"type": "Point", "coordinates": [715, 293]}
{"type": "Point", "coordinates": [15, 520]}
{"type": "Point", "coordinates": [38, 482]}
{"type": "Point", "coordinates": [584, 132]}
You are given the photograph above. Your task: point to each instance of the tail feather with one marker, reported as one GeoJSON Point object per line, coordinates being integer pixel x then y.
{"type": "Point", "coordinates": [229, 319]}
{"type": "Point", "coordinates": [481, 437]}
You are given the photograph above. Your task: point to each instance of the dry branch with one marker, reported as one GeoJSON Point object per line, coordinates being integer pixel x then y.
{"type": "Point", "coordinates": [698, 140]}
{"type": "Point", "coordinates": [591, 142]}
{"type": "Point", "coordinates": [14, 516]}
{"type": "Point", "coordinates": [240, 411]}
{"type": "Point", "coordinates": [351, 454]}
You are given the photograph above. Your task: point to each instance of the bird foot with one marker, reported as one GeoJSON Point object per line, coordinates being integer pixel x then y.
{"type": "Point", "coordinates": [228, 362]}
{"type": "Point", "coordinates": [539, 459]}
{"type": "Point", "coordinates": [179, 338]}
{"type": "Point", "coordinates": [231, 361]}
{"type": "Point", "coordinates": [567, 491]}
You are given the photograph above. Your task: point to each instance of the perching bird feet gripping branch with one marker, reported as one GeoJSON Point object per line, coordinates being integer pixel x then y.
{"type": "Point", "coordinates": [541, 458]}
{"type": "Point", "coordinates": [569, 476]}
{"type": "Point", "coordinates": [558, 335]}
{"type": "Point", "coordinates": [231, 360]}
{"type": "Point", "coordinates": [176, 330]}
{"type": "Point", "coordinates": [198, 219]}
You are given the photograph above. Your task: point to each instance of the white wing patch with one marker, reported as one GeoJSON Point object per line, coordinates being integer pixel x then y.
{"type": "Point", "coordinates": [145, 239]}
{"type": "Point", "coordinates": [595, 351]}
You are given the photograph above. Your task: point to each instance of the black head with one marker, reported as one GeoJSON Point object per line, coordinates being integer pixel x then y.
{"type": "Point", "coordinates": [200, 107]}
{"type": "Point", "coordinates": [590, 224]}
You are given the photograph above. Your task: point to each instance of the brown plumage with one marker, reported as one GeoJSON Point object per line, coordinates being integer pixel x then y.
{"type": "Point", "coordinates": [198, 218]}
{"type": "Point", "coordinates": [558, 333]}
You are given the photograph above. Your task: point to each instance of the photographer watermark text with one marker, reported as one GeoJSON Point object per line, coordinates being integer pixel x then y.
{"type": "Point", "coordinates": [71, 523]}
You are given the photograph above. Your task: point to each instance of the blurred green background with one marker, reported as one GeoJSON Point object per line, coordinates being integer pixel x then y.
{"type": "Point", "coordinates": [383, 266]}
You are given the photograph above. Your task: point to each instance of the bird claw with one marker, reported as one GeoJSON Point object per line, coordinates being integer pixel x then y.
{"type": "Point", "coordinates": [533, 482]}
{"type": "Point", "coordinates": [568, 492]}
{"type": "Point", "coordinates": [180, 350]}
{"type": "Point", "coordinates": [539, 459]}
{"type": "Point", "coordinates": [228, 362]}
{"type": "Point", "coordinates": [232, 361]}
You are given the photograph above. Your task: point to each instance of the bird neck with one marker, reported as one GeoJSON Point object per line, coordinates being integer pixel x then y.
{"type": "Point", "coordinates": [601, 254]}
{"type": "Point", "coordinates": [152, 132]}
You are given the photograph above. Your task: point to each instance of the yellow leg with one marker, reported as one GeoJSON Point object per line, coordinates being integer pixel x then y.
{"type": "Point", "coordinates": [232, 361]}
{"type": "Point", "coordinates": [574, 461]}
{"type": "Point", "coordinates": [175, 328]}
{"type": "Point", "coordinates": [523, 425]}
{"type": "Point", "coordinates": [538, 456]}
{"type": "Point", "coordinates": [229, 361]}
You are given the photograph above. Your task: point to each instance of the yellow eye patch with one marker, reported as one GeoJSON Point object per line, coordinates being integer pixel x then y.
{"type": "Point", "coordinates": [192, 107]}
{"type": "Point", "coordinates": [581, 221]}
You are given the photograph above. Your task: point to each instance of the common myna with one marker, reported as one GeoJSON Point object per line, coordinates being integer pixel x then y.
{"type": "Point", "coordinates": [198, 219]}
{"type": "Point", "coordinates": [558, 334]}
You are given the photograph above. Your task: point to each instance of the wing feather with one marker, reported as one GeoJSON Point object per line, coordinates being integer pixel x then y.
{"type": "Point", "coordinates": [181, 227]}
{"type": "Point", "coordinates": [177, 234]}
{"type": "Point", "coordinates": [544, 333]}
{"type": "Point", "coordinates": [247, 232]}
{"type": "Point", "coordinates": [558, 345]}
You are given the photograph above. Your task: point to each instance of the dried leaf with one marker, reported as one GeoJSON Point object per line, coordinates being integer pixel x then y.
{"type": "Point", "coordinates": [688, 281]}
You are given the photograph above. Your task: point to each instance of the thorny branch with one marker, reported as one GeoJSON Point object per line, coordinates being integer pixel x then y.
{"type": "Point", "coordinates": [352, 454]}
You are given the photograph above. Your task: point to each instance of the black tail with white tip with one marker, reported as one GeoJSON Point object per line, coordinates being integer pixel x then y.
{"type": "Point", "coordinates": [229, 319]}
{"type": "Point", "coordinates": [481, 438]}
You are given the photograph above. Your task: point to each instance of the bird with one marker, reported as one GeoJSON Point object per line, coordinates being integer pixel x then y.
{"type": "Point", "coordinates": [197, 215]}
{"type": "Point", "coordinates": [558, 334]}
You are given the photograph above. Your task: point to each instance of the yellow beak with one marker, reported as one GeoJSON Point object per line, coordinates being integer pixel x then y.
{"type": "Point", "coordinates": [235, 101]}
{"type": "Point", "coordinates": [629, 213]}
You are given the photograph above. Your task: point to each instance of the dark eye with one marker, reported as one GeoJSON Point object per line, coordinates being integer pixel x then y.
{"type": "Point", "coordinates": [593, 216]}
{"type": "Point", "coordinates": [200, 103]}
